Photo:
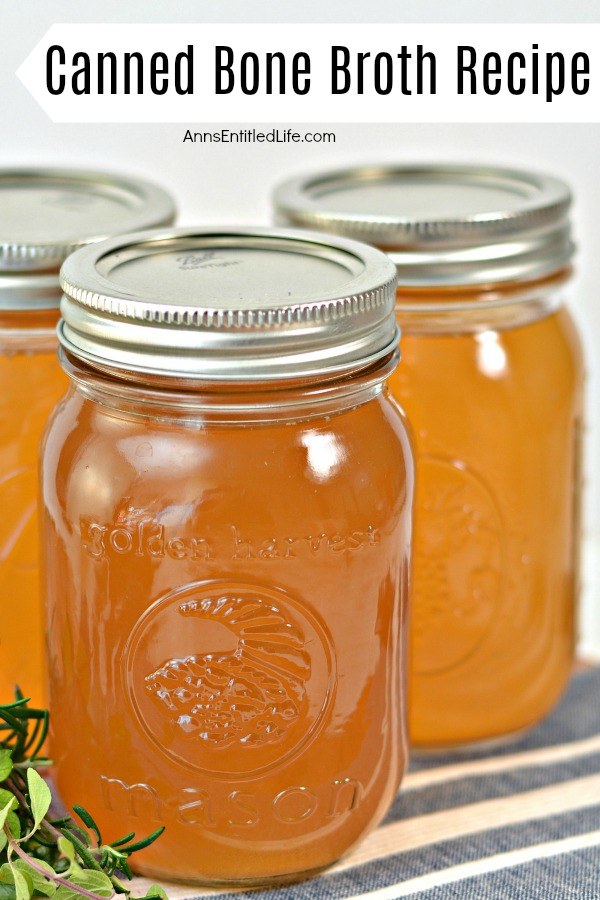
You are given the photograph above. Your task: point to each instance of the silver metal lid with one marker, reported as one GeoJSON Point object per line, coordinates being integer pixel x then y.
{"type": "Point", "coordinates": [45, 214]}
{"type": "Point", "coordinates": [235, 305]}
{"type": "Point", "coordinates": [441, 224]}
{"type": "Point", "coordinates": [25, 291]}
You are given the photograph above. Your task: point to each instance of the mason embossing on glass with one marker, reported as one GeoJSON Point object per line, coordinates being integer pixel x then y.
{"type": "Point", "coordinates": [227, 498]}
{"type": "Point", "coordinates": [492, 381]}
{"type": "Point", "coordinates": [44, 214]}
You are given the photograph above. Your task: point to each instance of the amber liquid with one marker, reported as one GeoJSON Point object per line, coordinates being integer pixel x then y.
{"type": "Point", "coordinates": [227, 617]}
{"type": "Point", "coordinates": [497, 423]}
{"type": "Point", "coordinates": [31, 381]}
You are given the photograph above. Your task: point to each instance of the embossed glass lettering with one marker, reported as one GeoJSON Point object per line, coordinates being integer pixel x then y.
{"type": "Point", "coordinates": [244, 808]}
{"type": "Point", "coordinates": [153, 540]}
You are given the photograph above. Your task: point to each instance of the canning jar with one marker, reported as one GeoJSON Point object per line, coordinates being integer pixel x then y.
{"type": "Point", "coordinates": [491, 380]}
{"type": "Point", "coordinates": [227, 513]}
{"type": "Point", "coordinates": [44, 214]}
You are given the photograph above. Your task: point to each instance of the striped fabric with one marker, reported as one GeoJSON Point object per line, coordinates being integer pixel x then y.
{"type": "Point", "coordinates": [521, 822]}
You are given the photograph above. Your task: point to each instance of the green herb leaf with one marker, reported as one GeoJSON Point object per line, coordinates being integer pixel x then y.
{"type": "Point", "coordinates": [96, 882]}
{"type": "Point", "coordinates": [87, 819]}
{"type": "Point", "coordinates": [6, 764]}
{"type": "Point", "coordinates": [65, 893]}
{"type": "Point", "coordinates": [8, 807]}
{"type": "Point", "coordinates": [66, 848]}
{"type": "Point", "coordinates": [145, 842]}
{"type": "Point", "coordinates": [13, 824]}
{"type": "Point", "coordinates": [82, 853]}
{"type": "Point", "coordinates": [19, 727]}
{"type": "Point", "coordinates": [57, 858]}
{"type": "Point", "coordinates": [7, 883]}
{"type": "Point", "coordinates": [41, 884]}
{"type": "Point", "coordinates": [155, 890]}
{"type": "Point", "coordinates": [23, 884]}
{"type": "Point", "coordinates": [40, 797]}
{"type": "Point", "coordinates": [6, 797]}
{"type": "Point", "coordinates": [128, 837]}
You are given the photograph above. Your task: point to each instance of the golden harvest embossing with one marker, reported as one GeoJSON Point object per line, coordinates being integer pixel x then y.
{"type": "Point", "coordinates": [148, 538]}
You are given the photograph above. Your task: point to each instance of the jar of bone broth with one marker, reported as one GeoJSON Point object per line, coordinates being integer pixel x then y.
{"type": "Point", "coordinates": [491, 381]}
{"type": "Point", "coordinates": [227, 493]}
{"type": "Point", "coordinates": [44, 215]}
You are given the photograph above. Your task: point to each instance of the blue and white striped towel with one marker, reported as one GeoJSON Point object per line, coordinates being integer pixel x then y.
{"type": "Point", "coordinates": [520, 822]}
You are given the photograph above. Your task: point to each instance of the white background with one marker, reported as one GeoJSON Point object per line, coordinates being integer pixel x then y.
{"type": "Point", "coordinates": [231, 184]}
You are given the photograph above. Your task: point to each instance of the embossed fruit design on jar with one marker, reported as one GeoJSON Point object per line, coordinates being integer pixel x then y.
{"type": "Point", "coordinates": [44, 214]}
{"type": "Point", "coordinates": [492, 382]}
{"type": "Point", "coordinates": [227, 517]}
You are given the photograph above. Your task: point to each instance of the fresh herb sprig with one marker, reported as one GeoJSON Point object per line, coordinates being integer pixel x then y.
{"type": "Point", "coordinates": [42, 855]}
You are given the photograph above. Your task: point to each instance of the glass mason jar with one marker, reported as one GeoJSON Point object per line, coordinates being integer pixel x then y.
{"type": "Point", "coordinates": [227, 495]}
{"type": "Point", "coordinates": [491, 380]}
{"type": "Point", "coordinates": [43, 216]}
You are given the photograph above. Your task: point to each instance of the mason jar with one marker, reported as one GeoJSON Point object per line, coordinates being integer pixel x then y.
{"type": "Point", "coordinates": [227, 493]}
{"type": "Point", "coordinates": [491, 380]}
{"type": "Point", "coordinates": [44, 214]}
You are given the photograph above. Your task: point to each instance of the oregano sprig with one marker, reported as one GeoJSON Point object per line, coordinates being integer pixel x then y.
{"type": "Point", "coordinates": [42, 855]}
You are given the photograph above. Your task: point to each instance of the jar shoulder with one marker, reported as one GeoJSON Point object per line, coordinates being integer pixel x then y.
{"type": "Point", "coordinates": [540, 353]}
{"type": "Point", "coordinates": [95, 455]}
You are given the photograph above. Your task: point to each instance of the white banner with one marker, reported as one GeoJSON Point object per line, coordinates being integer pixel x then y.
{"type": "Point", "coordinates": [331, 73]}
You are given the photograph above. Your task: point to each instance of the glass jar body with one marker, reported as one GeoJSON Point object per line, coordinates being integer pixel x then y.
{"type": "Point", "coordinates": [226, 612]}
{"type": "Point", "coordinates": [494, 395]}
{"type": "Point", "coordinates": [31, 382]}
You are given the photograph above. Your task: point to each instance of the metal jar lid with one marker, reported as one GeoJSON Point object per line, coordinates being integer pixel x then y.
{"type": "Point", "coordinates": [442, 225]}
{"type": "Point", "coordinates": [45, 214]}
{"type": "Point", "coordinates": [233, 305]}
